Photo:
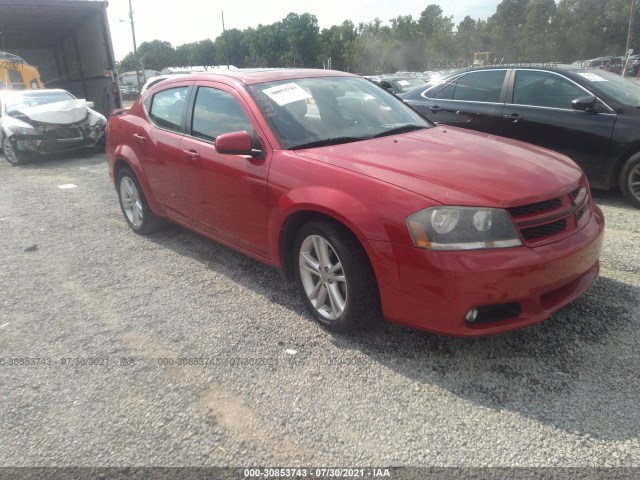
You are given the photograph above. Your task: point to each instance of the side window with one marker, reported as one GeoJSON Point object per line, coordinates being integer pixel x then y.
{"type": "Point", "coordinates": [445, 93]}
{"type": "Point", "coordinates": [544, 89]}
{"type": "Point", "coordinates": [15, 79]}
{"type": "Point", "coordinates": [484, 86]}
{"type": "Point", "coordinates": [216, 112]}
{"type": "Point", "coordinates": [167, 108]}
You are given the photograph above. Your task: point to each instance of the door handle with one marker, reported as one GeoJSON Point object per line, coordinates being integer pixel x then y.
{"type": "Point", "coordinates": [191, 154]}
{"type": "Point", "coordinates": [139, 138]}
{"type": "Point", "coordinates": [513, 118]}
{"type": "Point", "coordinates": [435, 108]}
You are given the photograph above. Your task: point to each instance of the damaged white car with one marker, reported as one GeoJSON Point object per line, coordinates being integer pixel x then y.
{"type": "Point", "coordinates": [40, 122]}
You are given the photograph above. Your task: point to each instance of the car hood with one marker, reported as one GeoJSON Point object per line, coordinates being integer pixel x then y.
{"type": "Point", "coordinates": [60, 113]}
{"type": "Point", "coordinates": [458, 167]}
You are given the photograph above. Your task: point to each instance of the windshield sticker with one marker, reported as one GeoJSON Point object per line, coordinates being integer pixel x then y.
{"type": "Point", "coordinates": [404, 83]}
{"type": "Point", "coordinates": [593, 77]}
{"type": "Point", "coordinates": [287, 93]}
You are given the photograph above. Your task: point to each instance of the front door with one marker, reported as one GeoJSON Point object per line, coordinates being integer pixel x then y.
{"type": "Point", "coordinates": [541, 113]}
{"type": "Point", "coordinates": [226, 194]}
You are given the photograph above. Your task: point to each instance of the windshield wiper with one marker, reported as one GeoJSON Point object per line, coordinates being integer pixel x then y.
{"type": "Point", "coordinates": [328, 141]}
{"type": "Point", "coordinates": [410, 127]}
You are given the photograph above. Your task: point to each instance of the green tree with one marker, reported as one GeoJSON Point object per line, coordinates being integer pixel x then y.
{"type": "Point", "coordinates": [535, 43]}
{"type": "Point", "coordinates": [303, 37]}
{"type": "Point", "coordinates": [157, 54]}
{"type": "Point", "coordinates": [438, 37]}
{"type": "Point", "coordinates": [470, 37]}
{"type": "Point", "coordinates": [204, 53]}
{"type": "Point", "coordinates": [231, 47]}
{"type": "Point", "coordinates": [185, 54]}
{"type": "Point", "coordinates": [505, 27]}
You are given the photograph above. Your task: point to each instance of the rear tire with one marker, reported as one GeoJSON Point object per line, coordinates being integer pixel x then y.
{"type": "Point", "coordinates": [630, 180]}
{"type": "Point", "coordinates": [334, 276]}
{"type": "Point", "coordinates": [134, 204]}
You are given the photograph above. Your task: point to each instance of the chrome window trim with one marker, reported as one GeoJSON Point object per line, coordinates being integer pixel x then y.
{"type": "Point", "coordinates": [516, 70]}
{"type": "Point", "coordinates": [456, 78]}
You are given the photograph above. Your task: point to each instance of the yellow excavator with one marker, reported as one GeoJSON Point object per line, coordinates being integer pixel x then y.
{"type": "Point", "coordinates": [480, 59]}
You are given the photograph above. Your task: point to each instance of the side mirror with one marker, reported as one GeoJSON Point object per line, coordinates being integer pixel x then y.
{"type": "Point", "coordinates": [90, 104]}
{"type": "Point", "coordinates": [236, 143]}
{"type": "Point", "coordinates": [585, 104]}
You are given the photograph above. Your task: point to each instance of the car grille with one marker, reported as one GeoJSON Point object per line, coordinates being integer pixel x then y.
{"type": "Point", "coordinates": [550, 220]}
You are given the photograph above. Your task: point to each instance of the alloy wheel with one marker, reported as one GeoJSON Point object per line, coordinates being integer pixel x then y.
{"type": "Point", "coordinates": [323, 277]}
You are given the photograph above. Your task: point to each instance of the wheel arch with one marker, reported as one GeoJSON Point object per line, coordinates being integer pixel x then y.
{"type": "Point", "coordinates": [296, 220]}
{"type": "Point", "coordinates": [120, 162]}
{"type": "Point", "coordinates": [612, 178]}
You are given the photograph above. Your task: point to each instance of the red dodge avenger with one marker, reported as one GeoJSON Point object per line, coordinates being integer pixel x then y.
{"type": "Point", "coordinates": [367, 205]}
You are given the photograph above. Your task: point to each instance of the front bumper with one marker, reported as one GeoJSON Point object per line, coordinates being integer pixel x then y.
{"type": "Point", "coordinates": [58, 139]}
{"type": "Point", "coordinates": [434, 291]}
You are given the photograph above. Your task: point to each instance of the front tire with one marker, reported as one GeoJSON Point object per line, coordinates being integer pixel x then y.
{"type": "Point", "coordinates": [630, 180]}
{"type": "Point", "coordinates": [9, 152]}
{"type": "Point", "coordinates": [134, 204]}
{"type": "Point", "coordinates": [334, 276]}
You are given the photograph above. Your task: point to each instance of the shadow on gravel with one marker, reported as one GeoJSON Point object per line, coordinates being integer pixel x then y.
{"type": "Point", "coordinates": [70, 159]}
{"type": "Point", "coordinates": [612, 198]}
{"type": "Point", "coordinates": [565, 372]}
{"type": "Point", "coordinates": [562, 372]}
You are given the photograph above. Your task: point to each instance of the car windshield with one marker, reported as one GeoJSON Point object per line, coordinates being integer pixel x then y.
{"type": "Point", "coordinates": [311, 112]}
{"type": "Point", "coordinates": [622, 89]}
{"type": "Point", "coordinates": [33, 99]}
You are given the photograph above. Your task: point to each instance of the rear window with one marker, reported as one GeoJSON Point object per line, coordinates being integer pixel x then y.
{"type": "Point", "coordinates": [484, 86]}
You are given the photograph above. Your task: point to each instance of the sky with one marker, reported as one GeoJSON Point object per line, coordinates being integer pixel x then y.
{"type": "Point", "coordinates": [193, 20]}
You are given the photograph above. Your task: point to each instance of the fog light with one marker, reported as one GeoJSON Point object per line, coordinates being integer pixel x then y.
{"type": "Point", "coordinates": [471, 315]}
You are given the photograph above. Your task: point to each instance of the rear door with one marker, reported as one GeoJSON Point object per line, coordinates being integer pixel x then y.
{"type": "Point", "coordinates": [539, 111]}
{"type": "Point", "coordinates": [474, 100]}
{"type": "Point", "coordinates": [157, 143]}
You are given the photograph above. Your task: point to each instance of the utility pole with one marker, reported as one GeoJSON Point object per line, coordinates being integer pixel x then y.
{"type": "Point", "coordinates": [630, 30]}
{"type": "Point", "coordinates": [135, 48]}
{"type": "Point", "coordinates": [224, 41]}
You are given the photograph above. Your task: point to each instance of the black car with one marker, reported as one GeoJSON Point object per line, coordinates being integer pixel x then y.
{"type": "Point", "coordinates": [593, 116]}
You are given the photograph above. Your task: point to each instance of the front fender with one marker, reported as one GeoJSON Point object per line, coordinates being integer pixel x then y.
{"type": "Point", "coordinates": [342, 206]}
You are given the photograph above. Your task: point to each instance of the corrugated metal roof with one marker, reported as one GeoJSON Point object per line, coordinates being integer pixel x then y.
{"type": "Point", "coordinates": [31, 24]}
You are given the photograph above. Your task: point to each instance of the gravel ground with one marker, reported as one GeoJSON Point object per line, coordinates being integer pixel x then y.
{"type": "Point", "coordinates": [76, 283]}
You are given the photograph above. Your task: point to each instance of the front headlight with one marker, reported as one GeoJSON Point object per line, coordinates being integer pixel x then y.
{"type": "Point", "coordinates": [462, 228]}
{"type": "Point", "coordinates": [16, 130]}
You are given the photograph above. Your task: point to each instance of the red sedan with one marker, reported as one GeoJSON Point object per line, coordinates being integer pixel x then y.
{"type": "Point", "coordinates": [367, 205]}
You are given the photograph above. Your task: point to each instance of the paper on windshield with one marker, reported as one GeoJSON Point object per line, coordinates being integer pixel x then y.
{"type": "Point", "coordinates": [592, 76]}
{"type": "Point", "coordinates": [287, 93]}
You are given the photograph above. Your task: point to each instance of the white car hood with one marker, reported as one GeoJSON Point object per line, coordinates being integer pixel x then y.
{"type": "Point", "coordinates": [60, 113]}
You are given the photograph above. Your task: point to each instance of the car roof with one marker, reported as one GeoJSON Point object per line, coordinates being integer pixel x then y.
{"type": "Point", "coordinates": [550, 67]}
{"type": "Point", "coordinates": [249, 76]}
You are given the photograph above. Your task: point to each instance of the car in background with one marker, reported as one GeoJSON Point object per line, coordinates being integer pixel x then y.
{"type": "Point", "coordinates": [360, 200]}
{"type": "Point", "coordinates": [591, 115]}
{"type": "Point", "coordinates": [397, 83]}
{"type": "Point", "coordinates": [41, 122]}
{"type": "Point", "coordinates": [129, 92]}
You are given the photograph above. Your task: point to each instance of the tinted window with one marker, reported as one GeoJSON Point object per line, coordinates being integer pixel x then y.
{"type": "Point", "coordinates": [216, 112]}
{"type": "Point", "coordinates": [167, 108]}
{"type": "Point", "coordinates": [327, 109]}
{"type": "Point", "coordinates": [544, 89]}
{"type": "Point", "coordinates": [446, 93]}
{"type": "Point", "coordinates": [484, 86]}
